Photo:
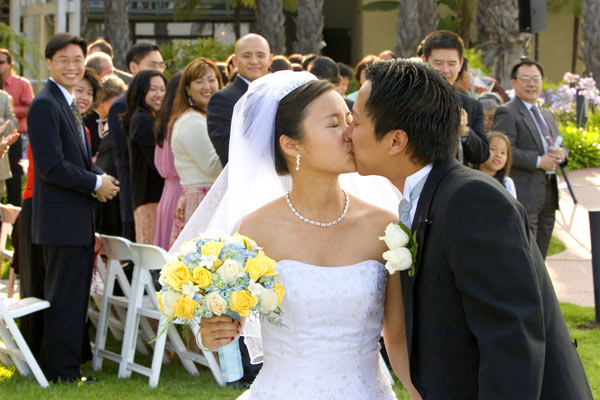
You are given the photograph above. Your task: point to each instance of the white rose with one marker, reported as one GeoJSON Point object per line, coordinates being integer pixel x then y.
{"type": "Point", "coordinates": [230, 270]}
{"type": "Point", "coordinates": [216, 304]}
{"type": "Point", "coordinates": [398, 259]}
{"type": "Point", "coordinates": [256, 289]}
{"type": "Point", "coordinates": [188, 247]}
{"type": "Point", "coordinates": [268, 301]}
{"type": "Point", "coordinates": [237, 240]}
{"type": "Point", "coordinates": [394, 236]}
{"type": "Point", "coordinates": [168, 299]}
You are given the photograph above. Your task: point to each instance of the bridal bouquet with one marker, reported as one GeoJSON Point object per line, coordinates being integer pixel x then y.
{"type": "Point", "coordinates": [402, 245]}
{"type": "Point", "coordinates": [216, 274]}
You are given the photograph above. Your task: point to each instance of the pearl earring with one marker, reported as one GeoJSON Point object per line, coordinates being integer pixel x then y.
{"type": "Point", "coordinates": [190, 101]}
{"type": "Point", "coordinates": [297, 162]}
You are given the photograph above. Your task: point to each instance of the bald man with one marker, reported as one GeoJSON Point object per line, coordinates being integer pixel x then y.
{"type": "Point", "coordinates": [101, 63]}
{"type": "Point", "coordinates": [252, 58]}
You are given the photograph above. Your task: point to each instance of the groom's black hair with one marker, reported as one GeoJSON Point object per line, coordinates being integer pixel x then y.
{"type": "Point", "coordinates": [411, 96]}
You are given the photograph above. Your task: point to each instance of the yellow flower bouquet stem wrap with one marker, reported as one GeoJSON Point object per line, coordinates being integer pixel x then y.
{"type": "Point", "coordinates": [217, 274]}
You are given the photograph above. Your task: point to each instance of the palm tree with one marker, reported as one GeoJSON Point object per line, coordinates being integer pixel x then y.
{"type": "Point", "coordinates": [270, 22]}
{"type": "Point", "coordinates": [116, 24]}
{"type": "Point", "coordinates": [501, 42]}
{"type": "Point", "coordinates": [408, 31]}
{"type": "Point", "coordinates": [428, 17]}
{"type": "Point", "coordinates": [591, 38]}
{"type": "Point", "coordinates": [309, 27]}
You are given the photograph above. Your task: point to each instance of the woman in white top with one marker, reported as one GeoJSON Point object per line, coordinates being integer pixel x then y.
{"type": "Point", "coordinates": [500, 161]}
{"type": "Point", "coordinates": [196, 160]}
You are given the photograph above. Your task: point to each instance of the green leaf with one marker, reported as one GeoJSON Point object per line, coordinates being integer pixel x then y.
{"type": "Point", "coordinates": [381, 5]}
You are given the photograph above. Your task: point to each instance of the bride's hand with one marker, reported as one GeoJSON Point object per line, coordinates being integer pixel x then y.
{"type": "Point", "coordinates": [415, 395]}
{"type": "Point", "coordinates": [217, 331]}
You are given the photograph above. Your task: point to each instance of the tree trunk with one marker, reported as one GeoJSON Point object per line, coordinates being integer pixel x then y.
{"type": "Point", "coordinates": [428, 17]}
{"type": "Point", "coordinates": [116, 23]}
{"type": "Point", "coordinates": [591, 38]}
{"type": "Point", "coordinates": [466, 12]}
{"type": "Point", "coordinates": [84, 10]}
{"type": "Point", "coordinates": [270, 23]}
{"type": "Point", "coordinates": [408, 31]}
{"type": "Point", "coordinates": [309, 27]}
{"type": "Point", "coordinates": [500, 41]}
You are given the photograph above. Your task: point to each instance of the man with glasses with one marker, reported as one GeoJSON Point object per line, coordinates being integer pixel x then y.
{"type": "Point", "coordinates": [22, 93]}
{"type": "Point", "coordinates": [537, 149]}
{"type": "Point", "coordinates": [140, 57]}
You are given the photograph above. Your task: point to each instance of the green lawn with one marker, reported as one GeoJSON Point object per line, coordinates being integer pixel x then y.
{"type": "Point", "coordinates": [176, 383]}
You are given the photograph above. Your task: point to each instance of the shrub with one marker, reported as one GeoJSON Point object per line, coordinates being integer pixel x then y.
{"type": "Point", "coordinates": [178, 53]}
{"type": "Point", "coordinates": [583, 143]}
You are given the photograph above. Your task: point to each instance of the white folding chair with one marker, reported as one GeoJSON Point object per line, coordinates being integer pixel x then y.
{"type": "Point", "coordinates": [116, 249]}
{"type": "Point", "coordinates": [13, 348]}
{"type": "Point", "coordinates": [9, 214]}
{"type": "Point", "coordinates": [154, 258]}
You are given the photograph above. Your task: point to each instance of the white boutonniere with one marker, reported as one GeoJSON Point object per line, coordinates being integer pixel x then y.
{"type": "Point", "coordinates": [402, 245]}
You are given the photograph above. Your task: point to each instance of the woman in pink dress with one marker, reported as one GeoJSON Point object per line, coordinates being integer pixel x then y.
{"type": "Point", "coordinates": [164, 162]}
{"type": "Point", "coordinates": [196, 160]}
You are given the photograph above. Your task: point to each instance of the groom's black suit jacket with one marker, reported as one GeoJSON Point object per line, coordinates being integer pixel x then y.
{"type": "Point", "coordinates": [219, 113]}
{"type": "Point", "coordinates": [482, 318]}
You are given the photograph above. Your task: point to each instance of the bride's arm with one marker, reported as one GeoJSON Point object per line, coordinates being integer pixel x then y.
{"type": "Point", "coordinates": [394, 333]}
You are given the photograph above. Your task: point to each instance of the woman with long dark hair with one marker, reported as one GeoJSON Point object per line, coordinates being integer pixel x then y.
{"type": "Point", "coordinates": [144, 99]}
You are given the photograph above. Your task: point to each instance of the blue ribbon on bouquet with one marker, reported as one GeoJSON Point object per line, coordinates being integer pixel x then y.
{"type": "Point", "coordinates": [230, 359]}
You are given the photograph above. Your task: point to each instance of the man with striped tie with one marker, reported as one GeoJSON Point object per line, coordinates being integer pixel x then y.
{"type": "Point", "coordinates": [537, 149]}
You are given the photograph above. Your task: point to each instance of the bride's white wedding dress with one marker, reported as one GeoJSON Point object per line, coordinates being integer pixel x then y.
{"type": "Point", "coordinates": [329, 346]}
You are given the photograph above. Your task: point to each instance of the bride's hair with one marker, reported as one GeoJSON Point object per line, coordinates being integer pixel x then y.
{"type": "Point", "coordinates": [290, 114]}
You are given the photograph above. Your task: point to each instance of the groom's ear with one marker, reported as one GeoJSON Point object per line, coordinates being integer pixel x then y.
{"type": "Point", "coordinates": [398, 142]}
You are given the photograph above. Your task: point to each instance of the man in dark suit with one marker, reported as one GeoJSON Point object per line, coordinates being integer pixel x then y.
{"type": "Point", "coordinates": [141, 56]}
{"type": "Point", "coordinates": [481, 316]}
{"type": "Point", "coordinates": [533, 135]}
{"type": "Point", "coordinates": [443, 51]}
{"type": "Point", "coordinates": [65, 182]}
{"type": "Point", "coordinates": [252, 59]}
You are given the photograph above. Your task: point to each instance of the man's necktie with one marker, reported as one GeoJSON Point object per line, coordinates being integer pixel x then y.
{"type": "Point", "coordinates": [79, 123]}
{"type": "Point", "coordinates": [406, 204]}
{"type": "Point", "coordinates": [543, 127]}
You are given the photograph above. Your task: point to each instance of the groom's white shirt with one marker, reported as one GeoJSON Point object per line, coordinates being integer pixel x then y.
{"type": "Point", "coordinates": [410, 183]}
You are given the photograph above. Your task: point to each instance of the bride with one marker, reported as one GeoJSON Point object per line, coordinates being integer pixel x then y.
{"type": "Point", "coordinates": [339, 296]}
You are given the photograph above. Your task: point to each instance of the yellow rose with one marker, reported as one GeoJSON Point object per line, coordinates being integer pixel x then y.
{"type": "Point", "coordinates": [184, 308]}
{"type": "Point", "coordinates": [267, 261]}
{"type": "Point", "coordinates": [242, 302]}
{"type": "Point", "coordinates": [202, 277]}
{"type": "Point", "coordinates": [280, 292]}
{"type": "Point", "coordinates": [176, 275]}
{"type": "Point", "coordinates": [248, 243]}
{"type": "Point", "coordinates": [158, 298]}
{"type": "Point", "coordinates": [256, 268]}
{"type": "Point", "coordinates": [212, 249]}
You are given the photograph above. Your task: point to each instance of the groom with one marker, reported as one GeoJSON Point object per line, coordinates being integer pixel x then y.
{"type": "Point", "coordinates": [482, 318]}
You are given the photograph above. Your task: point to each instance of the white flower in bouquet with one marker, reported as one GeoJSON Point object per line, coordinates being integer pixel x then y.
{"type": "Point", "coordinates": [268, 298]}
{"type": "Point", "coordinates": [188, 247]}
{"type": "Point", "coordinates": [395, 236]}
{"type": "Point", "coordinates": [216, 304]}
{"type": "Point", "coordinates": [189, 289]}
{"type": "Point", "coordinates": [398, 259]}
{"type": "Point", "coordinates": [230, 271]}
{"type": "Point", "coordinates": [168, 299]}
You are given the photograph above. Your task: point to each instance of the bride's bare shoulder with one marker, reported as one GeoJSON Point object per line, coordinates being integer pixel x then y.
{"type": "Point", "coordinates": [259, 223]}
{"type": "Point", "coordinates": [371, 214]}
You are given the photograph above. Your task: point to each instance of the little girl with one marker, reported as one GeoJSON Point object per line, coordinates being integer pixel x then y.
{"type": "Point", "coordinates": [498, 165]}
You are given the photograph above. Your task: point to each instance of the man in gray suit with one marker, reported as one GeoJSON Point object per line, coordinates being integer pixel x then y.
{"type": "Point", "coordinates": [537, 149]}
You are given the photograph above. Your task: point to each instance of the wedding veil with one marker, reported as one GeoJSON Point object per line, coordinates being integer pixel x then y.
{"type": "Point", "coordinates": [249, 180]}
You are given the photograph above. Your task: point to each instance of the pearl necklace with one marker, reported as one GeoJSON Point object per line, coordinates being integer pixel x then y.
{"type": "Point", "coordinates": [317, 223]}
